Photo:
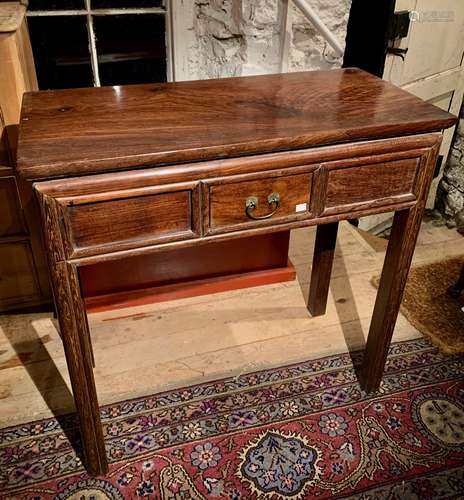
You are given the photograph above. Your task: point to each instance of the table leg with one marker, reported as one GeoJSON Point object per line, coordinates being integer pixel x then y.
{"type": "Point", "coordinates": [73, 325]}
{"type": "Point", "coordinates": [324, 249]}
{"type": "Point", "coordinates": [406, 225]}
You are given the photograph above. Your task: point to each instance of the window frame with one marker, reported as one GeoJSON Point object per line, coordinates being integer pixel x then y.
{"type": "Point", "coordinates": [90, 13]}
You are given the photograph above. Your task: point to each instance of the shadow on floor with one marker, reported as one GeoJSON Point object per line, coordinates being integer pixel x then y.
{"type": "Point", "coordinates": [44, 373]}
{"type": "Point", "coordinates": [34, 356]}
{"type": "Point", "coordinates": [345, 305]}
{"type": "Point", "coordinates": [347, 312]}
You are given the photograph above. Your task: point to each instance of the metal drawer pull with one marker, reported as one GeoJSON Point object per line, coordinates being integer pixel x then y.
{"type": "Point", "coordinates": [252, 203]}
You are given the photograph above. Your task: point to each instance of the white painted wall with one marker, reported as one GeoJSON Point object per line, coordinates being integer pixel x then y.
{"type": "Point", "coordinates": [221, 38]}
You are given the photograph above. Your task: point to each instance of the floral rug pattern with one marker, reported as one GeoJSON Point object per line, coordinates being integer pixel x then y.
{"type": "Point", "coordinates": [297, 432]}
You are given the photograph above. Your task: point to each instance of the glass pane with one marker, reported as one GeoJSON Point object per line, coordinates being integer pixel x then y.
{"type": "Point", "coordinates": [131, 48]}
{"type": "Point", "coordinates": [56, 4]}
{"type": "Point", "coordinates": [121, 4]}
{"type": "Point", "coordinates": [61, 51]}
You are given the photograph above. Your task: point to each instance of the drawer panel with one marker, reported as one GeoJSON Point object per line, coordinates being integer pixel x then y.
{"type": "Point", "coordinates": [119, 223]}
{"type": "Point", "coordinates": [358, 185]}
{"type": "Point", "coordinates": [227, 201]}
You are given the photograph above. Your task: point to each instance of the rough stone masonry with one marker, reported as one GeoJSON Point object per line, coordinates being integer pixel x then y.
{"type": "Point", "coordinates": [244, 37]}
{"type": "Point", "coordinates": [451, 189]}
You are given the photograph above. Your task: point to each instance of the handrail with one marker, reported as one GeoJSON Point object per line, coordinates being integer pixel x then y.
{"type": "Point", "coordinates": [312, 16]}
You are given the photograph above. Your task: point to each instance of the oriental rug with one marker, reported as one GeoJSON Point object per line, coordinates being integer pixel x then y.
{"type": "Point", "coordinates": [296, 432]}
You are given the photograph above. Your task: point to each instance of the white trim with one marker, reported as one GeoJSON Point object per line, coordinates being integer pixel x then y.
{"type": "Point", "coordinates": [92, 46]}
{"type": "Point", "coordinates": [87, 11]}
{"type": "Point", "coordinates": [286, 29]}
{"type": "Point", "coordinates": [312, 16]}
{"type": "Point", "coordinates": [183, 40]}
{"type": "Point", "coordinates": [96, 12]}
{"type": "Point", "coordinates": [169, 42]}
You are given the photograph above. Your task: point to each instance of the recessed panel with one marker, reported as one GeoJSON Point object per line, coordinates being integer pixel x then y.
{"type": "Point", "coordinates": [362, 183]}
{"type": "Point", "coordinates": [11, 221]}
{"type": "Point", "coordinates": [130, 222]}
{"type": "Point", "coordinates": [18, 280]}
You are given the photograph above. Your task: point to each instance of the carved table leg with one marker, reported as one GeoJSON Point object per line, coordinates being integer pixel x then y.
{"type": "Point", "coordinates": [406, 225]}
{"type": "Point", "coordinates": [326, 239]}
{"type": "Point", "coordinates": [73, 325]}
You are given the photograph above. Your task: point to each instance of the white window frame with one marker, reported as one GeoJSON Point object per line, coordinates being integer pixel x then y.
{"type": "Point", "coordinates": [90, 13]}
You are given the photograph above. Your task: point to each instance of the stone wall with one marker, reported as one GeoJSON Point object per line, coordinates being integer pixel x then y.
{"type": "Point", "coordinates": [244, 37]}
{"type": "Point", "coordinates": [451, 189]}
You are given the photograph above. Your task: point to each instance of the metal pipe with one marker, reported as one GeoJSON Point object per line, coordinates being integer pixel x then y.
{"type": "Point", "coordinates": [310, 14]}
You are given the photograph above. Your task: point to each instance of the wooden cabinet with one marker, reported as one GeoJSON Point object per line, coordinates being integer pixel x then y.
{"type": "Point", "coordinates": [16, 61]}
{"type": "Point", "coordinates": [23, 273]}
{"type": "Point", "coordinates": [19, 283]}
{"type": "Point", "coordinates": [12, 221]}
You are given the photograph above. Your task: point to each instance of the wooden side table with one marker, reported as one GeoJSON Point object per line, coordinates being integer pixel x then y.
{"type": "Point", "coordinates": [127, 171]}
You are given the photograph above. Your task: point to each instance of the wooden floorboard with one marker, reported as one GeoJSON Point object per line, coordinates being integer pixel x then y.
{"type": "Point", "coordinates": [154, 347]}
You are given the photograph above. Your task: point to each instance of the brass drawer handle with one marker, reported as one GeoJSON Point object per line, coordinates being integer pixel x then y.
{"type": "Point", "coordinates": [252, 203]}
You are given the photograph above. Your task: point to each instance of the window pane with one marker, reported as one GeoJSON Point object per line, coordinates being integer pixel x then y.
{"type": "Point", "coordinates": [121, 4]}
{"type": "Point", "coordinates": [131, 48]}
{"type": "Point", "coordinates": [61, 53]}
{"type": "Point", "coordinates": [56, 4]}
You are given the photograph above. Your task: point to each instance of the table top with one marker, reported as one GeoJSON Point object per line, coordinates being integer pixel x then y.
{"type": "Point", "coordinates": [94, 130]}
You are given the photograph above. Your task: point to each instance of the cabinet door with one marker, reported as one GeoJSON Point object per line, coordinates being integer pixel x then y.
{"type": "Point", "coordinates": [23, 273]}
{"type": "Point", "coordinates": [432, 69]}
{"type": "Point", "coordinates": [18, 283]}
{"type": "Point", "coordinates": [11, 220]}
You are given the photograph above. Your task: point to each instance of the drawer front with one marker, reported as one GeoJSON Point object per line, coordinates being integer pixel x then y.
{"type": "Point", "coordinates": [128, 222]}
{"type": "Point", "coordinates": [357, 186]}
{"type": "Point", "coordinates": [228, 201]}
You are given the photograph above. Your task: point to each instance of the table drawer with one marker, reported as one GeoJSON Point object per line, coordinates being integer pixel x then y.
{"type": "Point", "coordinates": [129, 220]}
{"type": "Point", "coordinates": [362, 185]}
{"type": "Point", "coordinates": [244, 202]}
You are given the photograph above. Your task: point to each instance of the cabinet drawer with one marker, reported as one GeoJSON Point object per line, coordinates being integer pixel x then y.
{"type": "Point", "coordinates": [129, 220]}
{"type": "Point", "coordinates": [227, 200]}
{"type": "Point", "coordinates": [360, 186]}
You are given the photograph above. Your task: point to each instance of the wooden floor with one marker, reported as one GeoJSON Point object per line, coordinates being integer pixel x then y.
{"type": "Point", "coordinates": [147, 349]}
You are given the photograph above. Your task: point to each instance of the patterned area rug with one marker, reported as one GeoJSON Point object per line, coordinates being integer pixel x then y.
{"type": "Point", "coordinates": [297, 432]}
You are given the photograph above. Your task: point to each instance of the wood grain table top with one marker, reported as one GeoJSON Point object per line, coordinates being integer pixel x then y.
{"type": "Point", "coordinates": [94, 130]}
